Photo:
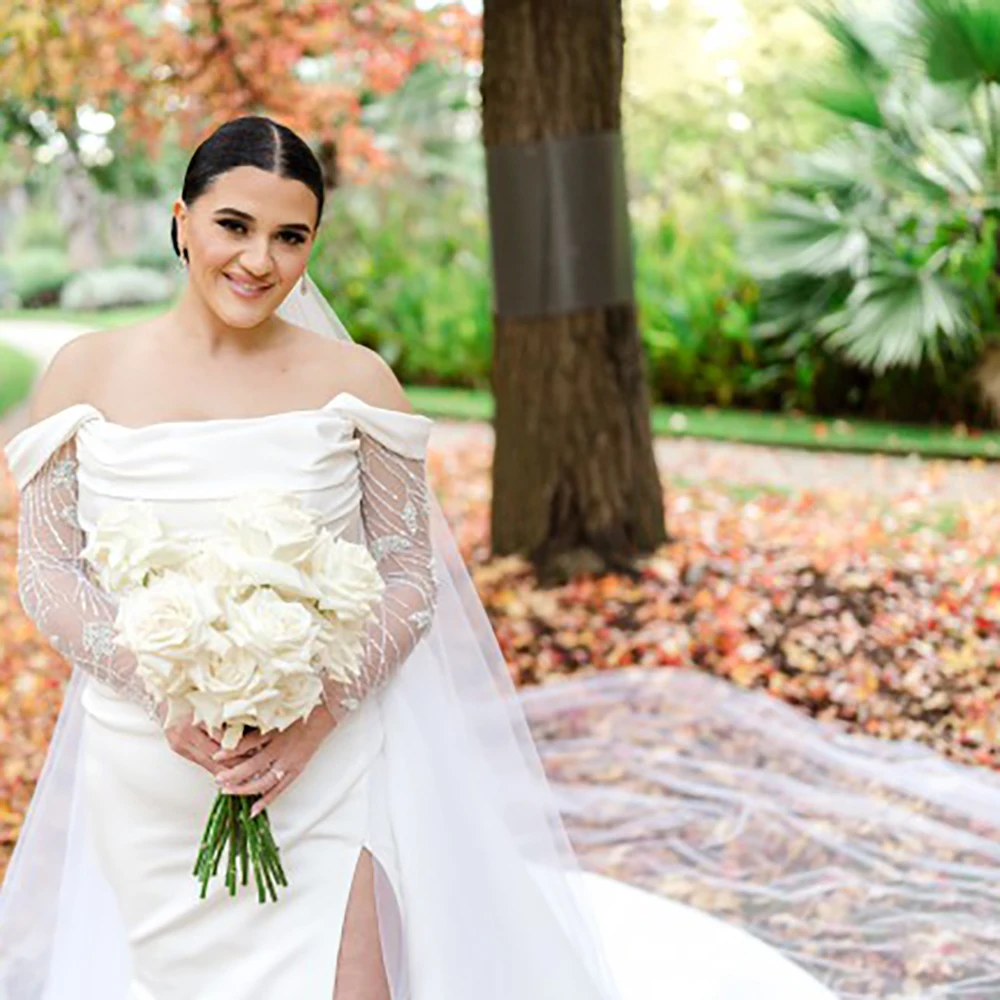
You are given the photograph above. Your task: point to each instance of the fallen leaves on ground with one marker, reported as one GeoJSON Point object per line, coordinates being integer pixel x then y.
{"type": "Point", "coordinates": [884, 615]}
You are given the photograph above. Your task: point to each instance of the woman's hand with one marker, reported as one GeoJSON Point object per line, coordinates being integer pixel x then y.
{"type": "Point", "coordinates": [193, 743]}
{"type": "Point", "coordinates": [275, 759]}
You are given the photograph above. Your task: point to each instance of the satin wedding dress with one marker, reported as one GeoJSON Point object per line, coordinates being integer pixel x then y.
{"type": "Point", "coordinates": [144, 806]}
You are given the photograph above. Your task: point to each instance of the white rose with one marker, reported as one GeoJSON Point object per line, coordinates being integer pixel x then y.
{"type": "Point", "coordinates": [339, 651]}
{"type": "Point", "coordinates": [245, 572]}
{"type": "Point", "coordinates": [128, 543]}
{"type": "Point", "coordinates": [298, 695]}
{"type": "Point", "coordinates": [273, 525]}
{"type": "Point", "coordinates": [232, 675]}
{"type": "Point", "coordinates": [270, 628]}
{"type": "Point", "coordinates": [171, 619]}
{"type": "Point", "coordinates": [164, 677]}
{"type": "Point", "coordinates": [347, 578]}
{"type": "Point", "coordinates": [209, 565]}
{"type": "Point", "coordinates": [228, 689]}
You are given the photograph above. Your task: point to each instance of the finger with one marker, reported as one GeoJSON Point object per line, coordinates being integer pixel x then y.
{"type": "Point", "coordinates": [201, 742]}
{"type": "Point", "coordinates": [195, 746]}
{"type": "Point", "coordinates": [248, 770]}
{"type": "Point", "coordinates": [251, 743]}
{"type": "Point", "coordinates": [265, 800]}
{"type": "Point", "coordinates": [187, 752]}
{"type": "Point", "coordinates": [259, 784]}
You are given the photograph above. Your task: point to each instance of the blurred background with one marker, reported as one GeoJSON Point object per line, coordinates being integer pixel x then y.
{"type": "Point", "coordinates": [751, 489]}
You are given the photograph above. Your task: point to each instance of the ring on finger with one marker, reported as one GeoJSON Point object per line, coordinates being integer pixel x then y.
{"type": "Point", "coordinates": [278, 773]}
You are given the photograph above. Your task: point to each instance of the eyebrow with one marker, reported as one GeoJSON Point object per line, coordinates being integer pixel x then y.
{"type": "Point", "coordinates": [246, 216]}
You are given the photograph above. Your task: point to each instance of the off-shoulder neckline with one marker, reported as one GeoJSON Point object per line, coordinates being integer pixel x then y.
{"type": "Point", "coordinates": [326, 407]}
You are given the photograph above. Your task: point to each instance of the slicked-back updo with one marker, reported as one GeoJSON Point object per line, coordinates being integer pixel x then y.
{"type": "Point", "coordinates": [251, 141]}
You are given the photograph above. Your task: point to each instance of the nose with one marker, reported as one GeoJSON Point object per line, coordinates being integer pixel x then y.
{"type": "Point", "coordinates": [256, 258]}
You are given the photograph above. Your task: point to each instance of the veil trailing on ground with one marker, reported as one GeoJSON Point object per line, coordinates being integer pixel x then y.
{"type": "Point", "coordinates": [492, 903]}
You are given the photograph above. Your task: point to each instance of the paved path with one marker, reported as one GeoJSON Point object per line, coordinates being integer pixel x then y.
{"type": "Point", "coordinates": [794, 469]}
{"type": "Point", "coordinates": [38, 339]}
{"type": "Point", "coordinates": [686, 459]}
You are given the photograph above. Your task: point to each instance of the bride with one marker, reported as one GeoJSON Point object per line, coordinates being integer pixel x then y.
{"type": "Point", "coordinates": [424, 853]}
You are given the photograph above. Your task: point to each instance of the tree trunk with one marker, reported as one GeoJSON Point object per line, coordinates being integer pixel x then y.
{"type": "Point", "coordinates": [575, 485]}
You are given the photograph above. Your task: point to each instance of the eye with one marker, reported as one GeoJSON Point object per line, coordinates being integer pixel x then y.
{"type": "Point", "coordinates": [232, 225]}
{"type": "Point", "coordinates": [293, 238]}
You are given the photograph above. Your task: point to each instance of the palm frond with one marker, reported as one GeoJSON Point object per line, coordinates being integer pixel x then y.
{"type": "Point", "coordinates": [864, 44]}
{"type": "Point", "coordinates": [899, 319]}
{"type": "Point", "coordinates": [961, 39]}
{"type": "Point", "coordinates": [852, 97]}
{"type": "Point", "coordinates": [797, 236]}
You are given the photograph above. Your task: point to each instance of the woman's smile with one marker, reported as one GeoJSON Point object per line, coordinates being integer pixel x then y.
{"type": "Point", "coordinates": [247, 289]}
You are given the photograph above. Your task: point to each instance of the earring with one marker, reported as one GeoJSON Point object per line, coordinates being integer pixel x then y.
{"type": "Point", "coordinates": [304, 288]}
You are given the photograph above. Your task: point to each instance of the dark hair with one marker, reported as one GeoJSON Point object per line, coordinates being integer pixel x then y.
{"type": "Point", "coordinates": [251, 141]}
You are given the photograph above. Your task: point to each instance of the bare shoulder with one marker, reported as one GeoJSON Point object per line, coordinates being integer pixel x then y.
{"type": "Point", "coordinates": [366, 374]}
{"type": "Point", "coordinates": [67, 379]}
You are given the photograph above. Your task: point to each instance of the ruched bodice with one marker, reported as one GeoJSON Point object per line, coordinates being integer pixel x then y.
{"type": "Point", "coordinates": [187, 469]}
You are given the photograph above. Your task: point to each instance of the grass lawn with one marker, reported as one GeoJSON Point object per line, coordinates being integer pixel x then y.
{"type": "Point", "coordinates": [97, 318]}
{"type": "Point", "coordinates": [17, 373]}
{"type": "Point", "coordinates": [771, 429]}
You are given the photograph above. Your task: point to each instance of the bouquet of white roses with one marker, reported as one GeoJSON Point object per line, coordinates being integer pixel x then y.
{"type": "Point", "coordinates": [236, 629]}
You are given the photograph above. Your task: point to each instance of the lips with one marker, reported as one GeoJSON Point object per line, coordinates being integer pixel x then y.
{"type": "Point", "coordinates": [247, 289]}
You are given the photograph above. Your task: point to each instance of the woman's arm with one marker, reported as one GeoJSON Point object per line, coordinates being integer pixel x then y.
{"type": "Point", "coordinates": [395, 512]}
{"type": "Point", "coordinates": [71, 611]}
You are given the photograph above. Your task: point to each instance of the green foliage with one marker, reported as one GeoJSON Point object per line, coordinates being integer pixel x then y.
{"type": "Point", "coordinates": [407, 269]}
{"type": "Point", "coordinates": [35, 276]}
{"type": "Point", "coordinates": [882, 245]}
{"type": "Point", "coordinates": [114, 287]}
{"type": "Point", "coordinates": [17, 375]}
{"type": "Point", "coordinates": [408, 272]}
{"type": "Point", "coordinates": [711, 101]}
{"type": "Point", "coordinates": [696, 308]}
{"type": "Point", "coordinates": [39, 228]}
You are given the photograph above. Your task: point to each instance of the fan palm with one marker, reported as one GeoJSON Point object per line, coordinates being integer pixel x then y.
{"type": "Point", "coordinates": [884, 242]}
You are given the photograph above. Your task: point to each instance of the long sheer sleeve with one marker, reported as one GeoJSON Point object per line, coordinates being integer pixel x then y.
{"type": "Point", "coordinates": [395, 513]}
{"type": "Point", "coordinates": [55, 586]}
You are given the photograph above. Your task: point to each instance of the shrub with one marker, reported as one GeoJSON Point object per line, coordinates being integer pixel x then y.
{"type": "Point", "coordinates": [36, 276]}
{"type": "Point", "coordinates": [108, 288]}
{"type": "Point", "coordinates": [38, 228]}
{"type": "Point", "coordinates": [696, 309]}
{"type": "Point", "coordinates": [407, 270]}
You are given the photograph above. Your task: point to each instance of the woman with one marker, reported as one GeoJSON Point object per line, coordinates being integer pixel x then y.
{"type": "Point", "coordinates": [424, 855]}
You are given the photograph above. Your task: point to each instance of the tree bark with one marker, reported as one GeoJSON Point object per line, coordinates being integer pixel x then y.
{"type": "Point", "coordinates": [575, 485]}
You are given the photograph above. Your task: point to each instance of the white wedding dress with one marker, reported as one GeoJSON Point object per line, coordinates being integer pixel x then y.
{"type": "Point", "coordinates": [468, 902]}
{"type": "Point", "coordinates": [432, 771]}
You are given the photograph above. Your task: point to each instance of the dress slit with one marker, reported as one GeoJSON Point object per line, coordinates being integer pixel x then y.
{"type": "Point", "coordinates": [389, 921]}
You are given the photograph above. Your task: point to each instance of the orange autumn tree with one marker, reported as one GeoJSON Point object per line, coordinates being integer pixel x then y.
{"type": "Point", "coordinates": [188, 65]}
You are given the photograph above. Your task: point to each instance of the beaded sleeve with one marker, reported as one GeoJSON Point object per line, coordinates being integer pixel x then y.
{"type": "Point", "coordinates": [395, 513]}
{"type": "Point", "coordinates": [55, 587]}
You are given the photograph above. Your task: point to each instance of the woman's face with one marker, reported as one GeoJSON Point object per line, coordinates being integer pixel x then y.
{"type": "Point", "coordinates": [248, 237]}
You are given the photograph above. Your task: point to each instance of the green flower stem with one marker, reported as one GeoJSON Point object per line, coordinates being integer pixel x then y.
{"type": "Point", "coordinates": [272, 846]}
{"type": "Point", "coordinates": [259, 864]}
{"type": "Point", "coordinates": [240, 837]}
{"type": "Point", "coordinates": [234, 819]}
{"type": "Point", "coordinates": [210, 864]}
{"type": "Point", "coordinates": [249, 842]}
{"type": "Point", "coordinates": [209, 836]}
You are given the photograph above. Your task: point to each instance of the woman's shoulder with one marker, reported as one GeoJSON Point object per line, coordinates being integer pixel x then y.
{"type": "Point", "coordinates": [359, 371]}
{"type": "Point", "coordinates": [67, 379]}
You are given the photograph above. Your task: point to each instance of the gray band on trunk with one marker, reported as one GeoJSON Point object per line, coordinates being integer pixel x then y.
{"type": "Point", "coordinates": [559, 225]}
